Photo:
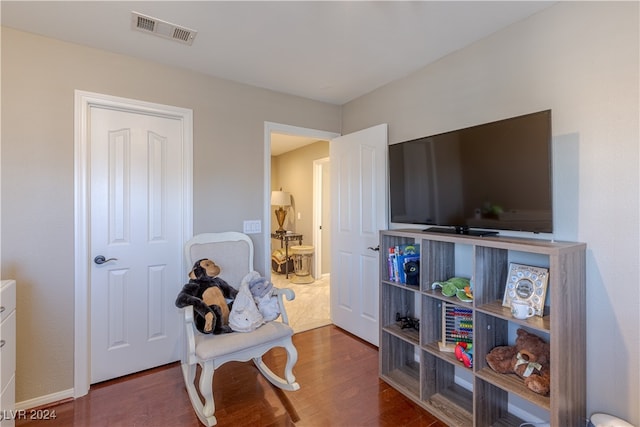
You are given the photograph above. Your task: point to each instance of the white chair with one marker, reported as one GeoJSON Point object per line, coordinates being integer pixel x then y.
{"type": "Point", "coordinates": [233, 252]}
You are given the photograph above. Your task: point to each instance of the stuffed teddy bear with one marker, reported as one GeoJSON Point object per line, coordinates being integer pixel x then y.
{"type": "Point", "coordinates": [210, 296]}
{"type": "Point", "coordinates": [529, 358]}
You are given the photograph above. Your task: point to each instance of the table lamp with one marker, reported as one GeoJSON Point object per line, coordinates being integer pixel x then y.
{"type": "Point", "coordinates": [281, 199]}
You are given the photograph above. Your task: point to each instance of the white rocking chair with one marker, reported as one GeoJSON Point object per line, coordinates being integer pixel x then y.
{"type": "Point", "coordinates": [233, 252]}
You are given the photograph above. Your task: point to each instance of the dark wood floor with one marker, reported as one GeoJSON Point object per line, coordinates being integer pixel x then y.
{"type": "Point", "coordinates": [337, 372]}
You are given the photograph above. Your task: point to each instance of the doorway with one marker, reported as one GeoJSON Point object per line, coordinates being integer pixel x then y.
{"type": "Point", "coordinates": [305, 216]}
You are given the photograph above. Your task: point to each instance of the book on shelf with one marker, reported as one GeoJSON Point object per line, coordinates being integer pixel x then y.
{"type": "Point", "coordinates": [399, 255]}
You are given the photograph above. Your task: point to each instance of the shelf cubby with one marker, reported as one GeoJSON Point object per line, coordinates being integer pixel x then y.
{"type": "Point", "coordinates": [414, 363]}
{"type": "Point", "coordinates": [437, 262]}
{"type": "Point", "coordinates": [441, 395]}
{"type": "Point", "coordinates": [399, 366]}
{"type": "Point", "coordinates": [399, 300]}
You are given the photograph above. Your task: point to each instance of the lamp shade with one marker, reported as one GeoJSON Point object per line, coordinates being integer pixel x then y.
{"type": "Point", "coordinates": [280, 198]}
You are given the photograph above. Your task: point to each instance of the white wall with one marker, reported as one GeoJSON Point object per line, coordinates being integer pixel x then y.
{"type": "Point", "coordinates": [581, 60]}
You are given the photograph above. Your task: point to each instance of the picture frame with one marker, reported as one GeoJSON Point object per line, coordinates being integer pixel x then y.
{"type": "Point", "coordinates": [527, 283]}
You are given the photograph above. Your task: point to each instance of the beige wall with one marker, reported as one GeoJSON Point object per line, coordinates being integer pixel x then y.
{"type": "Point", "coordinates": [581, 60]}
{"type": "Point", "coordinates": [293, 172]}
{"type": "Point", "coordinates": [578, 58]}
{"type": "Point", "coordinates": [39, 76]}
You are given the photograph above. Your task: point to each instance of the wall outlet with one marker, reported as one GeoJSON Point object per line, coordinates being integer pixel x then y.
{"type": "Point", "coordinates": [253, 226]}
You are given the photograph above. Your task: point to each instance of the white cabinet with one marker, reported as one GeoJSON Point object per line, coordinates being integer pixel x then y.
{"type": "Point", "coordinates": [7, 352]}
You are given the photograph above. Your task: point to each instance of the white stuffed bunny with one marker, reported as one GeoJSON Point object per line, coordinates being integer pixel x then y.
{"type": "Point", "coordinates": [244, 316]}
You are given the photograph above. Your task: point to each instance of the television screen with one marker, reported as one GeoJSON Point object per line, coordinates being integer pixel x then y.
{"type": "Point", "coordinates": [494, 176]}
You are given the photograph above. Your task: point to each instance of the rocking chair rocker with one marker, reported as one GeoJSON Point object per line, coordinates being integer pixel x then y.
{"type": "Point", "coordinates": [233, 252]}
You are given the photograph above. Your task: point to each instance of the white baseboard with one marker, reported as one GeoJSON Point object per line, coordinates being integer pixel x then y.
{"type": "Point", "coordinates": [45, 400]}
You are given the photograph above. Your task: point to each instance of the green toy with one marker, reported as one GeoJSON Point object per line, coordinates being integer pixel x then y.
{"type": "Point", "coordinates": [456, 286]}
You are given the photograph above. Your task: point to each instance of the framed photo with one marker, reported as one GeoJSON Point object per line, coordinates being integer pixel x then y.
{"type": "Point", "coordinates": [526, 283]}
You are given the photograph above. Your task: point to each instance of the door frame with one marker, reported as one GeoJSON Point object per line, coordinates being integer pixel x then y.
{"type": "Point", "coordinates": [319, 205]}
{"type": "Point", "coordinates": [270, 127]}
{"type": "Point", "coordinates": [83, 101]}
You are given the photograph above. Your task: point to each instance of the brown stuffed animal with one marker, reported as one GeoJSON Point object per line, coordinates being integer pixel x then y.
{"type": "Point", "coordinates": [529, 358]}
{"type": "Point", "coordinates": [208, 295]}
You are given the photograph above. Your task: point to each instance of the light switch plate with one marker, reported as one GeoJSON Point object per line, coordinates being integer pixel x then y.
{"type": "Point", "coordinates": [253, 226]}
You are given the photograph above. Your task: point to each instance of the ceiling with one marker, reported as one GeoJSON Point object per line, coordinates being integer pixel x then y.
{"type": "Point", "coordinates": [330, 51]}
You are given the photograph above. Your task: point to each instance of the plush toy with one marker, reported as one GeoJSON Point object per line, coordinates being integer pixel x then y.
{"type": "Point", "coordinates": [259, 286]}
{"type": "Point", "coordinates": [529, 358]}
{"type": "Point", "coordinates": [244, 316]}
{"type": "Point", "coordinates": [262, 291]}
{"type": "Point", "coordinates": [464, 353]}
{"type": "Point", "coordinates": [210, 296]}
{"type": "Point", "coordinates": [460, 287]}
{"type": "Point", "coordinates": [412, 272]}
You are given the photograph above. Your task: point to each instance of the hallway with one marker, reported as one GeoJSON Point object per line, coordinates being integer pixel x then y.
{"type": "Point", "coordinates": [310, 308]}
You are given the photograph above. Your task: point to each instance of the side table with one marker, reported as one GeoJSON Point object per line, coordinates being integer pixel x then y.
{"type": "Point", "coordinates": [285, 238]}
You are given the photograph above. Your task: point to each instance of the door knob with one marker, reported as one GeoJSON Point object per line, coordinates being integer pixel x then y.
{"type": "Point", "coordinates": [100, 259]}
{"type": "Point", "coordinates": [377, 248]}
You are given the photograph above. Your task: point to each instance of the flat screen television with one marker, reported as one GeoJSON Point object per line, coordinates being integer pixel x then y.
{"type": "Point", "coordinates": [476, 180]}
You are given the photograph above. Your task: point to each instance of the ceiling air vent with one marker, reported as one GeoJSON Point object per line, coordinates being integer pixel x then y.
{"type": "Point", "coordinates": [162, 28]}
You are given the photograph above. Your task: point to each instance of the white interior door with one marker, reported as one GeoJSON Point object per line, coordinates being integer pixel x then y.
{"type": "Point", "coordinates": [136, 181]}
{"type": "Point", "coordinates": [359, 212]}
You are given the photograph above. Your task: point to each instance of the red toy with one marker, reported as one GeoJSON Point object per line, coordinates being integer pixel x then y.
{"type": "Point", "coordinates": [464, 353]}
